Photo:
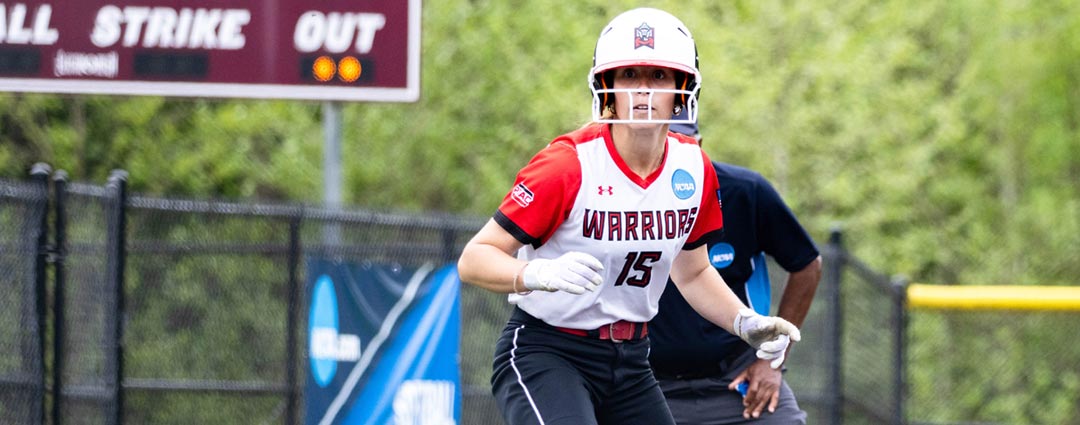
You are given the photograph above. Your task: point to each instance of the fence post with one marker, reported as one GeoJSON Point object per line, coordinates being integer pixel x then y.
{"type": "Point", "coordinates": [59, 287]}
{"type": "Point", "coordinates": [900, 321]}
{"type": "Point", "coordinates": [39, 174]}
{"type": "Point", "coordinates": [117, 230]}
{"type": "Point", "coordinates": [835, 270]}
{"type": "Point", "coordinates": [293, 310]}
{"type": "Point", "coordinates": [449, 235]}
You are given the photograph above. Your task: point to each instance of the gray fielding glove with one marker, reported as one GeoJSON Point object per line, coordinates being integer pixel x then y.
{"type": "Point", "coordinates": [770, 335]}
{"type": "Point", "coordinates": [573, 272]}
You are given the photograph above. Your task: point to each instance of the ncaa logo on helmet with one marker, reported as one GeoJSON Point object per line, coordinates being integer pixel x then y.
{"type": "Point", "coordinates": [643, 36]}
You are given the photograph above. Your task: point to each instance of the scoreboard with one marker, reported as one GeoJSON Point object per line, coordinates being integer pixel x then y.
{"type": "Point", "coordinates": [346, 50]}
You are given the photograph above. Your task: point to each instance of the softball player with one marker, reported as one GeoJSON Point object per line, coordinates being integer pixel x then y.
{"type": "Point", "coordinates": [699, 365]}
{"type": "Point", "coordinates": [599, 219]}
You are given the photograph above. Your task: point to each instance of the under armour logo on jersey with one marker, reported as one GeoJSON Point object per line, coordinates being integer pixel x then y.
{"type": "Point", "coordinates": [643, 36]}
{"type": "Point", "coordinates": [600, 190]}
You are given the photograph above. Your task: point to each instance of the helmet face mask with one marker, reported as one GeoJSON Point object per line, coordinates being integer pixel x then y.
{"type": "Point", "coordinates": [645, 37]}
{"type": "Point", "coordinates": [681, 114]}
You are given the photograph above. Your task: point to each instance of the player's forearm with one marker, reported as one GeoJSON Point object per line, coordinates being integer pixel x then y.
{"type": "Point", "coordinates": [711, 298]}
{"type": "Point", "coordinates": [799, 293]}
{"type": "Point", "coordinates": [490, 268]}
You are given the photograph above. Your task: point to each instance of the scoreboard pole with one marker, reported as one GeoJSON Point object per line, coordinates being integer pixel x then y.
{"type": "Point", "coordinates": [332, 176]}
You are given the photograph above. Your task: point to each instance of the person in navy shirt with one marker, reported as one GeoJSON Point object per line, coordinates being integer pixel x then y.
{"type": "Point", "coordinates": [708, 375]}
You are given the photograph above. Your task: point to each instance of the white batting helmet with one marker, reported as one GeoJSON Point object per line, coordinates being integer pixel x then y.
{"type": "Point", "coordinates": [646, 37]}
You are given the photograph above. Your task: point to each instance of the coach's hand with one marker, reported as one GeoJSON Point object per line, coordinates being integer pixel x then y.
{"type": "Point", "coordinates": [768, 334]}
{"type": "Point", "coordinates": [573, 272]}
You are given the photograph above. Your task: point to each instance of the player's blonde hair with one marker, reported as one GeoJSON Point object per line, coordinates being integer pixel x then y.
{"type": "Point", "coordinates": [607, 114]}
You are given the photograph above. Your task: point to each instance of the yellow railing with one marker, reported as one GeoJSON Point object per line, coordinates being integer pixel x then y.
{"type": "Point", "coordinates": [994, 297]}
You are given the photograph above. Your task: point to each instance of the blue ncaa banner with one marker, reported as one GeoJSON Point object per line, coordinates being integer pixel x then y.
{"type": "Point", "coordinates": [382, 344]}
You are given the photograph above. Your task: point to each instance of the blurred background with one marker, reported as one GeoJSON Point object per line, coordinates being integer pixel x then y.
{"type": "Point", "coordinates": [941, 137]}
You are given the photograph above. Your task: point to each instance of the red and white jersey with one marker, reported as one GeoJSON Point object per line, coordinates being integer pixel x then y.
{"type": "Point", "coordinates": [577, 194]}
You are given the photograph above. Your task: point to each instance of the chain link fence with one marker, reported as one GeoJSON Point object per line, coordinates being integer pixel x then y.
{"type": "Point", "coordinates": [940, 365]}
{"type": "Point", "coordinates": [22, 374]}
{"type": "Point", "coordinates": [993, 367]}
{"type": "Point", "coordinates": [205, 327]}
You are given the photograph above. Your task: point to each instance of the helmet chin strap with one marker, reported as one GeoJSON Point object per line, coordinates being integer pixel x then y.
{"type": "Point", "coordinates": [628, 117]}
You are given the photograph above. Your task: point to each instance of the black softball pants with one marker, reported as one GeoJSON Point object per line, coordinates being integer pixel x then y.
{"type": "Point", "coordinates": [543, 375]}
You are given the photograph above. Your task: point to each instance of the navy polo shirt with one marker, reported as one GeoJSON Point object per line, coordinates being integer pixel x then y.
{"type": "Point", "coordinates": [756, 222]}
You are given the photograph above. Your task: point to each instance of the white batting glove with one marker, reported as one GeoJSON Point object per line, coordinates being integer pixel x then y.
{"type": "Point", "coordinates": [768, 334]}
{"type": "Point", "coordinates": [573, 272]}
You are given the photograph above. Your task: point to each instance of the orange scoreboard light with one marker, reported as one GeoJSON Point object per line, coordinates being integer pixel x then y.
{"type": "Point", "coordinates": [344, 50]}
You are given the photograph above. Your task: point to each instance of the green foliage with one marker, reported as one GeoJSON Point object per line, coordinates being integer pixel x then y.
{"type": "Point", "coordinates": [943, 135]}
{"type": "Point", "coordinates": [231, 149]}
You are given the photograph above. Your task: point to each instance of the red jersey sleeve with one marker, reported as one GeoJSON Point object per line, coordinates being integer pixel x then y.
{"type": "Point", "coordinates": [710, 218]}
{"type": "Point", "coordinates": [543, 194]}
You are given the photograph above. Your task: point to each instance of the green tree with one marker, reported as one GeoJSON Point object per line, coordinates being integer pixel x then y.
{"type": "Point", "coordinates": [943, 135]}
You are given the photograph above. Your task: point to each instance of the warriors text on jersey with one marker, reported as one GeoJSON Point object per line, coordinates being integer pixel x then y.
{"type": "Point", "coordinates": [577, 194]}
